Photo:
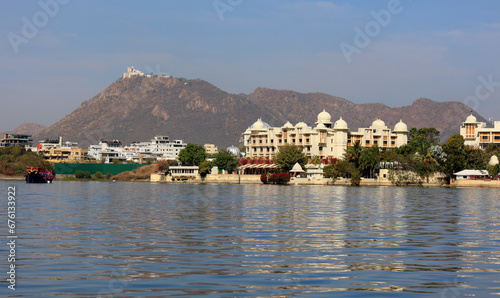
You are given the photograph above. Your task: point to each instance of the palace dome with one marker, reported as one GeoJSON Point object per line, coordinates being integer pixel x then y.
{"type": "Point", "coordinates": [400, 127]}
{"type": "Point", "coordinates": [288, 125]}
{"type": "Point", "coordinates": [301, 125]}
{"type": "Point", "coordinates": [320, 126]}
{"type": "Point", "coordinates": [340, 124]}
{"type": "Point", "coordinates": [234, 151]}
{"type": "Point", "coordinates": [378, 123]}
{"type": "Point", "coordinates": [324, 117]}
{"type": "Point", "coordinates": [259, 125]}
{"type": "Point", "coordinates": [471, 119]}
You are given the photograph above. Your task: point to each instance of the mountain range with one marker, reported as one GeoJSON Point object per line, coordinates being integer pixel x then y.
{"type": "Point", "coordinates": [138, 108]}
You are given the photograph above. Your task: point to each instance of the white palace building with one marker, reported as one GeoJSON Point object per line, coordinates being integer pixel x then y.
{"type": "Point", "coordinates": [324, 140]}
{"type": "Point", "coordinates": [477, 135]}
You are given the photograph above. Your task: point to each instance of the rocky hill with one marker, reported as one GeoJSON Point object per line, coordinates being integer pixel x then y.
{"type": "Point", "coordinates": [29, 128]}
{"type": "Point", "coordinates": [138, 108]}
{"type": "Point", "coordinates": [293, 106]}
{"type": "Point", "coordinates": [26, 129]}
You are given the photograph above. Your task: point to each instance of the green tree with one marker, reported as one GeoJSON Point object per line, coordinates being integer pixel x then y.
{"type": "Point", "coordinates": [226, 161]}
{"type": "Point", "coordinates": [14, 160]}
{"type": "Point", "coordinates": [353, 153]}
{"type": "Point", "coordinates": [288, 155]}
{"type": "Point", "coordinates": [456, 159]}
{"type": "Point", "coordinates": [343, 168]}
{"type": "Point", "coordinates": [205, 168]}
{"type": "Point", "coordinates": [330, 171]}
{"type": "Point", "coordinates": [192, 155]}
{"type": "Point", "coordinates": [98, 176]}
{"type": "Point", "coordinates": [492, 149]}
{"type": "Point", "coordinates": [424, 165]}
{"type": "Point", "coordinates": [420, 140]}
{"type": "Point", "coordinates": [493, 170]}
{"type": "Point", "coordinates": [389, 155]}
{"type": "Point", "coordinates": [369, 160]}
{"type": "Point", "coordinates": [82, 175]}
{"type": "Point", "coordinates": [430, 134]}
{"type": "Point", "coordinates": [476, 158]}
{"type": "Point", "coordinates": [355, 175]}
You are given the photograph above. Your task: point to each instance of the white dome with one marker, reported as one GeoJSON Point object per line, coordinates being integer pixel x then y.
{"type": "Point", "coordinates": [493, 160]}
{"type": "Point", "coordinates": [297, 168]}
{"type": "Point", "coordinates": [288, 125]}
{"type": "Point", "coordinates": [378, 123]}
{"type": "Point", "coordinates": [400, 127]}
{"type": "Point", "coordinates": [301, 125]}
{"type": "Point", "coordinates": [340, 124]}
{"type": "Point", "coordinates": [259, 125]}
{"type": "Point", "coordinates": [471, 119]}
{"type": "Point", "coordinates": [234, 151]}
{"type": "Point", "coordinates": [324, 117]}
{"type": "Point", "coordinates": [320, 126]}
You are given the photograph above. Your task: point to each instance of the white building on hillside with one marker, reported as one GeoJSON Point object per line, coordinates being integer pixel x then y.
{"type": "Point", "coordinates": [324, 140]}
{"type": "Point", "coordinates": [131, 71]}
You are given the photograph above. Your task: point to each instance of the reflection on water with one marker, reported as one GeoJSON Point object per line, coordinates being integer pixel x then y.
{"type": "Point", "coordinates": [136, 239]}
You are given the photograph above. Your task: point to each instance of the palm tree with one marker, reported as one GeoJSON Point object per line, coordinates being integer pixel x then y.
{"type": "Point", "coordinates": [369, 160]}
{"type": "Point", "coordinates": [353, 153]}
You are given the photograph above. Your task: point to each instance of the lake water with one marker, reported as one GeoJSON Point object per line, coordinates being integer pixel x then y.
{"type": "Point", "coordinates": [89, 239]}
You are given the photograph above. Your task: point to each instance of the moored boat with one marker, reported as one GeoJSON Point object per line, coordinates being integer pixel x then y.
{"type": "Point", "coordinates": [38, 175]}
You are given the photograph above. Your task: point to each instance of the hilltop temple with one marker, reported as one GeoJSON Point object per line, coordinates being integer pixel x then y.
{"type": "Point", "coordinates": [131, 71]}
{"type": "Point", "coordinates": [324, 140]}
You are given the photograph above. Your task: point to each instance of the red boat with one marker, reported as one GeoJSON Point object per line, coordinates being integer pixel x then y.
{"type": "Point", "coordinates": [38, 175]}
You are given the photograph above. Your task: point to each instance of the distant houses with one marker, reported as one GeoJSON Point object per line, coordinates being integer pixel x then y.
{"type": "Point", "coordinates": [160, 147]}
{"type": "Point", "coordinates": [12, 140]}
{"type": "Point", "coordinates": [210, 149]}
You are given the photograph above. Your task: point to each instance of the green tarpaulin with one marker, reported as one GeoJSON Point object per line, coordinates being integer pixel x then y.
{"type": "Point", "coordinates": [71, 168]}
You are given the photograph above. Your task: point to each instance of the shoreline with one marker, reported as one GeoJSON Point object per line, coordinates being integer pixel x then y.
{"type": "Point", "coordinates": [296, 182]}
{"type": "Point", "coordinates": [12, 178]}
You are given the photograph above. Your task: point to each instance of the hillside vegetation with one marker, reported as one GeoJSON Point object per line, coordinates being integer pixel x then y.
{"type": "Point", "coordinates": [142, 173]}
{"type": "Point", "coordinates": [14, 160]}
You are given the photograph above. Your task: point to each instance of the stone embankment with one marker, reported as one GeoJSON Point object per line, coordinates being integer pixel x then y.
{"type": "Point", "coordinates": [476, 183]}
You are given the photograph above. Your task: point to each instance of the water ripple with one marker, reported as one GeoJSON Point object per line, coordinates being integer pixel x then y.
{"type": "Point", "coordinates": [137, 239]}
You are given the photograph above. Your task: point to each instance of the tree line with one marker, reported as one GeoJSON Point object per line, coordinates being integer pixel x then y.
{"type": "Point", "coordinates": [416, 161]}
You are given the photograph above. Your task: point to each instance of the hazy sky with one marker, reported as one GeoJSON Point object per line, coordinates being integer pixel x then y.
{"type": "Point", "coordinates": [57, 53]}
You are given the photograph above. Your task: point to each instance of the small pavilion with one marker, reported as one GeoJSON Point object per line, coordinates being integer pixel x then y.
{"type": "Point", "coordinates": [296, 170]}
